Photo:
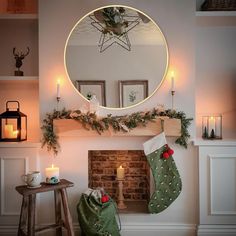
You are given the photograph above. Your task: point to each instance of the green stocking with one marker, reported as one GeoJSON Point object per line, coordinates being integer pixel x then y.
{"type": "Point", "coordinates": [167, 180]}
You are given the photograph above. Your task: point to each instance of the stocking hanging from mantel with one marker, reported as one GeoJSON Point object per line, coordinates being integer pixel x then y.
{"type": "Point", "coordinates": [167, 180]}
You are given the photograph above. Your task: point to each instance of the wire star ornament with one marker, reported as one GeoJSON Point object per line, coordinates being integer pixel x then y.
{"type": "Point", "coordinates": [114, 28]}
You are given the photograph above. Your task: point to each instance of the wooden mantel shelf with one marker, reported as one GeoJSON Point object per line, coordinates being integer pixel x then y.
{"type": "Point", "coordinates": [70, 127]}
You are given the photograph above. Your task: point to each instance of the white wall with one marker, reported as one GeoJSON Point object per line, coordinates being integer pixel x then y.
{"type": "Point", "coordinates": [176, 19]}
{"type": "Point", "coordinates": [216, 72]}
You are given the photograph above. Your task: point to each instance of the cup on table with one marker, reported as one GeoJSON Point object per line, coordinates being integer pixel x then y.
{"type": "Point", "coordinates": [32, 179]}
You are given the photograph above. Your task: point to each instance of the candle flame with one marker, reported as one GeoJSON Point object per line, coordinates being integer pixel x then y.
{"type": "Point", "coordinates": [121, 166]}
{"type": "Point", "coordinates": [58, 81]}
{"type": "Point", "coordinates": [52, 165]}
{"type": "Point", "coordinates": [212, 118]}
{"type": "Point", "coordinates": [172, 73]}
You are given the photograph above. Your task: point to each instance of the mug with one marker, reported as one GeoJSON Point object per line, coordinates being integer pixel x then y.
{"type": "Point", "coordinates": [32, 179]}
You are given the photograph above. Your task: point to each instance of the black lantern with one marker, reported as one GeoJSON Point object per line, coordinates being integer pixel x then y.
{"type": "Point", "coordinates": [13, 124]}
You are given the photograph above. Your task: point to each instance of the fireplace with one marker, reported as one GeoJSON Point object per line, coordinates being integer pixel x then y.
{"type": "Point", "coordinates": [102, 173]}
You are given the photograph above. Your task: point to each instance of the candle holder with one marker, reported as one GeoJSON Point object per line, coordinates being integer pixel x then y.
{"type": "Point", "coordinates": [121, 205]}
{"type": "Point", "coordinates": [172, 99]}
{"type": "Point", "coordinates": [212, 127]}
{"type": "Point", "coordinates": [58, 101]}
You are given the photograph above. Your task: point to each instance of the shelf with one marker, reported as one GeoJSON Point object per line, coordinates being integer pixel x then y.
{"type": "Point", "coordinates": [19, 78]}
{"type": "Point", "coordinates": [70, 127]}
{"type": "Point", "coordinates": [216, 13]}
{"type": "Point", "coordinates": [24, 144]}
{"type": "Point", "coordinates": [18, 16]}
{"type": "Point", "coordinates": [222, 142]}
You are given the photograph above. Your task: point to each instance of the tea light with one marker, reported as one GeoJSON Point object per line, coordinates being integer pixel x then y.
{"type": "Point", "coordinates": [52, 175]}
{"type": "Point", "coordinates": [120, 172]}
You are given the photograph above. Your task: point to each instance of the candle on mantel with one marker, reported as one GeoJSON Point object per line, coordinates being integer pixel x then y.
{"type": "Point", "coordinates": [212, 124]}
{"type": "Point", "coordinates": [9, 132]}
{"type": "Point", "coordinates": [172, 81]}
{"type": "Point", "coordinates": [120, 171]}
{"type": "Point", "coordinates": [58, 88]}
{"type": "Point", "coordinates": [52, 175]}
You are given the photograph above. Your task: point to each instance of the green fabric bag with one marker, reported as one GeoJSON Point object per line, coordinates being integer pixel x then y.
{"type": "Point", "coordinates": [97, 218]}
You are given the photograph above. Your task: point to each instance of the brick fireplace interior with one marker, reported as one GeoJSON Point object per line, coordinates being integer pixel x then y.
{"type": "Point", "coordinates": [136, 187]}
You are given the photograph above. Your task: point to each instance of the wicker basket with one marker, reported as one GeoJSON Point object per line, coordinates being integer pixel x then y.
{"type": "Point", "coordinates": [219, 5]}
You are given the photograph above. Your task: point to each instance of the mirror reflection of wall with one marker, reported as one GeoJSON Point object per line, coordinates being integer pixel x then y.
{"type": "Point", "coordinates": [145, 60]}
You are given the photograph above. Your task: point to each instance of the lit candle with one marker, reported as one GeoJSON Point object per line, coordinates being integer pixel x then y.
{"type": "Point", "coordinates": [9, 132]}
{"type": "Point", "coordinates": [52, 175]}
{"type": "Point", "coordinates": [120, 173]}
{"type": "Point", "coordinates": [172, 81]}
{"type": "Point", "coordinates": [212, 123]}
{"type": "Point", "coordinates": [58, 88]}
{"type": "Point", "coordinates": [14, 134]}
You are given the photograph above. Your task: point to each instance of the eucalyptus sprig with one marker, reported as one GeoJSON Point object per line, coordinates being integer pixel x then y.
{"type": "Point", "coordinates": [117, 123]}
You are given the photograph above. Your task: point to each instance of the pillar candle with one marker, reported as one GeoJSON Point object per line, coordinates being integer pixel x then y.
{"type": "Point", "coordinates": [120, 172]}
{"type": "Point", "coordinates": [9, 132]}
{"type": "Point", "coordinates": [58, 89]}
{"type": "Point", "coordinates": [172, 81]}
{"type": "Point", "coordinates": [52, 175]}
{"type": "Point", "coordinates": [212, 124]}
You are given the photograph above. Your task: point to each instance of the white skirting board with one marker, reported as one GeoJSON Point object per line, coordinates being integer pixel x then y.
{"type": "Point", "coordinates": [127, 230]}
{"type": "Point", "coordinates": [152, 230]}
{"type": "Point", "coordinates": [216, 230]}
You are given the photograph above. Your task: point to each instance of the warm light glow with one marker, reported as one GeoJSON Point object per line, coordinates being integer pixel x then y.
{"type": "Point", "coordinates": [172, 73]}
{"type": "Point", "coordinates": [9, 132]}
{"type": "Point", "coordinates": [52, 165]}
{"type": "Point", "coordinates": [212, 118]}
{"type": "Point", "coordinates": [120, 166]}
{"type": "Point", "coordinates": [59, 81]}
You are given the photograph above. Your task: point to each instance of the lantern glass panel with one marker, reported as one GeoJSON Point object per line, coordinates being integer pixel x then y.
{"type": "Point", "coordinates": [9, 128]}
{"type": "Point", "coordinates": [23, 133]}
{"type": "Point", "coordinates": [212, 127]}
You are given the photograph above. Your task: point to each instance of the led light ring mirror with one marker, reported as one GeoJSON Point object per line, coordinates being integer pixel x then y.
{"type": "Point", "coordinates": [122, 71]}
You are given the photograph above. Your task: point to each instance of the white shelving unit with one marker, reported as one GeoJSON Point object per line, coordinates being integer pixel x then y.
{"type": "Point", "coordinates": [18, 16]}
{"type": "Point", "coordinates": [18, 78]}
{"type": "Point", "coordinates": [216, 13]}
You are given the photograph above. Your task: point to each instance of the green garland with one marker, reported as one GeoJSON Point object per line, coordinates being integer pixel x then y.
{"type": "Point", "coordinates": [118, 123]}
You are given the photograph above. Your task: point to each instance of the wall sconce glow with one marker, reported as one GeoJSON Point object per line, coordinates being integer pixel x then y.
{"type": "Point", "coordinates": [212, 127]}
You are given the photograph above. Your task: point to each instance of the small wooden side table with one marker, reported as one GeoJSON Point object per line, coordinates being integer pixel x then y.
{"type": "Point", "coordinates": [27, 215]}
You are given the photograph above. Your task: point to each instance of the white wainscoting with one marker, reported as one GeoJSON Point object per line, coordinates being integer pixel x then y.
{"type": "Point", "coordinates": [16, 159]}
{"type": "Point", "coordinates": [217, 188]}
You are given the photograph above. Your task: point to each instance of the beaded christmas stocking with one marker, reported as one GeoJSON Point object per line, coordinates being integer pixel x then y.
{"type": "Point", "coordinates": [167, 180]}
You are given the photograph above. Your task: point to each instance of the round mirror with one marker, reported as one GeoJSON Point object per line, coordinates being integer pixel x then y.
{"type": "Point", "coordinates": [118, 54]}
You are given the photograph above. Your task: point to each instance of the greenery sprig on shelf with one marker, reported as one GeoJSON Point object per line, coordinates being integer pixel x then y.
{"type": "Point", "coordinates": [118, 124]}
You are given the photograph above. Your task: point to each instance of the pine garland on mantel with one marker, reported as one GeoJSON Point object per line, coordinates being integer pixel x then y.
{"type": "Point", "coordinates": [118, 123]}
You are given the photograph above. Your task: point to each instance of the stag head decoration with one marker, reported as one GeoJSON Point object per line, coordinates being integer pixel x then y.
{"type": "Point", "coordinates": [19, 56]}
